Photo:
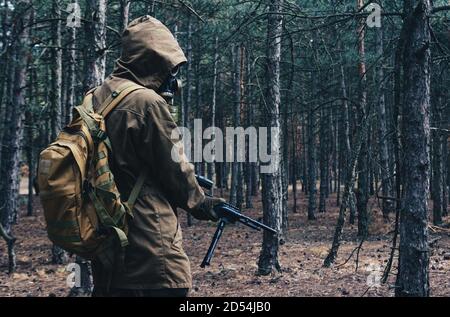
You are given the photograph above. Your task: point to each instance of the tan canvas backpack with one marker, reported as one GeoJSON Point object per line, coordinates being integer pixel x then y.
{"type": "Point", "coordinates": [81, 202]}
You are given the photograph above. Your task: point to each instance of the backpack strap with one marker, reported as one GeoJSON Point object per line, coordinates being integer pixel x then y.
{"type": "Point", "coordinates": [108, 105]}
{"type": "Point", "coordinates": [116, 97]}
{"type": "Point", "coordinates": [136, 189]}
{"type": "Point", "coordinates": [87, 102]}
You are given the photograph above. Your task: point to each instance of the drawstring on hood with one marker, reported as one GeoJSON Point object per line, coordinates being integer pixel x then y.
{"type": "Point", "coordinates": [149, 53]}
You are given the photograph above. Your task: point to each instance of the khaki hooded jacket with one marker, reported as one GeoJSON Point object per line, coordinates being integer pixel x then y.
{"type": "Point", "coordinates": [140, 130]}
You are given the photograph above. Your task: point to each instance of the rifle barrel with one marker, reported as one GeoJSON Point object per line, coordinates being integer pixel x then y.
{"type": "Point", "coordinates": [249, 224]}
{"type": "Point", "coordinates": [228, 214]}
{"type": "Point", "coordinates": [234, 213]}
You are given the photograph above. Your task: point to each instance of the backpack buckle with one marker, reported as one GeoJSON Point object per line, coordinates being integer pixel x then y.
{"type": "Point", "coordinates": [99, 136]}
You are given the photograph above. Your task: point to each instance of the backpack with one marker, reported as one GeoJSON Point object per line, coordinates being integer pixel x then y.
{"type": "Point", "coordinates": [82, 205]}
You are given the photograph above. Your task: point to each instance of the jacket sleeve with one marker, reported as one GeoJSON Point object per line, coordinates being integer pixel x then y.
{"type": "Point", "coordinates": [176, 177]}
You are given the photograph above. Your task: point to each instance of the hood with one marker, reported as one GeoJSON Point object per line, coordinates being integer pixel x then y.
{"type": "Point", "coordinates": [149, 53]}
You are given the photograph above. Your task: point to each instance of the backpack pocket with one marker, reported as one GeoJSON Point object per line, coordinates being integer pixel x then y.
{"type": "Point", "coordinates": [59, 179]}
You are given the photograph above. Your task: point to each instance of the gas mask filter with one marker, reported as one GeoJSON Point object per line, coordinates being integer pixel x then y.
{"type": "Point", "coordinates": [168, 90]}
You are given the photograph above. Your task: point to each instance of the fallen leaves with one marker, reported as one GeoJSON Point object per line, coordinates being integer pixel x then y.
{"type": "Point", "coordinates": [20, 277]}
{"type": "Point", "coordinates": [234, 265]}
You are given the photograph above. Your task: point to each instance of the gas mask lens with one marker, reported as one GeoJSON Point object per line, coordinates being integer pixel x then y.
{"type": "Point", "coordinates": [175, 71]}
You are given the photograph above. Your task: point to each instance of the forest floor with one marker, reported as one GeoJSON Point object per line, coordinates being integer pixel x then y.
{"type": "Point", "coordinates": [234, 265]}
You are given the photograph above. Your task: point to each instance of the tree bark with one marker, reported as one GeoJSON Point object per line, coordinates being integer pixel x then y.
{"type": "Point", "coordinates": [386, 172]}
{"type": "Point", "coordinates": [4, 62]}
{"type": "Point", "coordinates": [10, 168]}
{"type": "Point", "coordinates": [187, 104]}
{"type": "Point", "coordinates": [437, 192]}
{"type": "Point", "coordinates": [56, 73]}
{"type": "Point", "coordinates": [250, 117]}
{"type": "Point", "coordinates": [412, 277]}
{"type": "Point", "coordinates": [362, 195]}
{"type": "Point", "coordinates": [29, 119]}
{"type": "Point", "coordinates": [324, 166]}
{"type": "Point", "coordinates": [294, 164]}
{"type": "Point", "coordinates": [124, 13]}
{"type": "Point", "coordinates": [212, 166]}
{"type": "Point", "coordinates": [240, 174]}
{"type": "Point", "coordinates": [347, 139]}
{"type": "Point", "coordinates": [311, 163]}
{"type": "Point", "coordinates": [290, 102]}
{"type": "Point", "coordinates": [272, 186]}
{"type": "Point", "coordinates": [71, 81]}
{"type": "Point", "coordinates": [313, 150]}
{"type": "Point", "coordinates": [56, 110]}
{"type": "Point", "coordinates": [304, 154]}
{"type": "Point", "coordinates": [95, 46]}
{"type": "Point", "coordinates": [235, 165]}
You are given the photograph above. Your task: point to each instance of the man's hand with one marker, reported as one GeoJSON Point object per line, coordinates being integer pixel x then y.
{"type": "Point", "coordinates": [205, 210]}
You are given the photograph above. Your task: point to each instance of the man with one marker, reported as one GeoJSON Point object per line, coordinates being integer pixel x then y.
{"type": "Point", "coordinates": [140, 130]}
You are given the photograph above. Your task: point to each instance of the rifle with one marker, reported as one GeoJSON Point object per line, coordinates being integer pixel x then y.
{"type": "Point", "coordinates": [227, 214]}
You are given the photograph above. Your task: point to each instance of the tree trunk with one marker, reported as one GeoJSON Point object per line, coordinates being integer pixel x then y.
{"type": "Point", "coordinates": [272, 187]}
{"type": "Point", "coordinates": [212, 165]}
{"type": "Point", "coordinates": [347, 140]}
{"type": "Point", "coordinates": [412, 277]}
{"type": "Point", "coordinates": [4, 61]}
{"type": "Point", "coordinates": [446, 168]}
{"type": "Point", "coordinates": [240, 179]}
{"type": "Point", "coordinates": [187, 104]}
{"type": "Point", "coordinates": [287, 106]}
{"type": "Point", "coordinates": [29, 119]}
{"type": "Point", "coordinates": [324, 167]}
{"type": "Point", "coordinates": [56, 114]}
{"type": "Point", "coordinates": [56, 74]}
{"type": "Point", "coordinates": [304, 153]}
{"type": "Point", "coordinates": [398, 84]}
{"type": "Point", "coordinates": [295, 139]}
{"type": "Point", "coordinates": [437, 193]}
{"type": "Point", "coordinates": [335, 151]}
{"type": "Point", "coordinates": [199, 162]}
{"type": "Point", "coordinates": [346, 197]}
{"type": "Point", "coordinates": [386, 173]}
{"type": "Point", "coordinates": [294, 164]}
{"type": "Point", "coordinates": [71, 81]}
{"type": "Point", "coordinates": [124, 13]}
{"type": "Point", "coordinates": [249, 169]}
{"type": "Point", "coordinates": [95, 65]}
{"type": "Point", "coordinates": [95, 50]}
{"type": "Point", "coordinates": [363, 168]}
{"type": "Point", "coordinates": [339, 177]}
{"type": "Point", "coordinates": [236, 193]}
{"type": "Point", "coordinates": [10, 168]}
{"type": "Point", "coordinates": [311, 163]}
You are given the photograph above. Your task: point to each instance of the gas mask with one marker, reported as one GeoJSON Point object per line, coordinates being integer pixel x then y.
{"type": "Point", "coordinates": [168, 90]}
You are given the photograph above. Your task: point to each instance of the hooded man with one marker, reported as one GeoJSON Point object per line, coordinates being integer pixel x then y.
{"type": "Point", "coordinates": [139, 129]}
